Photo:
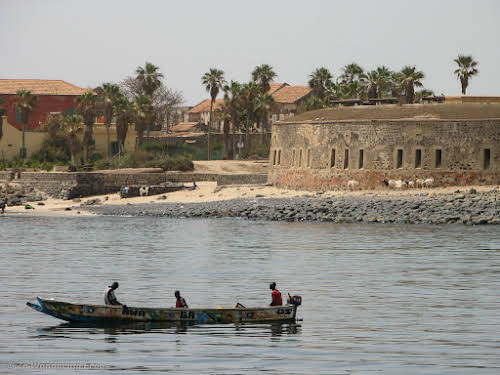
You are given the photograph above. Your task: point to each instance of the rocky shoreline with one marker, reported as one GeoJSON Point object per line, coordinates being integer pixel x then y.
{"type": "Point", "coordinates": [462, 207]}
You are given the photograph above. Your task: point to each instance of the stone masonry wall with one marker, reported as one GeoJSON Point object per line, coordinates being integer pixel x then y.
{"type": "Point", "coordinates": [68, 185]}
{"type": "Point", "coordinates": [325, 155]}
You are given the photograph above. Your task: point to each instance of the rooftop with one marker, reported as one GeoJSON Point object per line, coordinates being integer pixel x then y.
{"type": "Point", "coordinates": [204, 106]}
{"type": "Point", "coordinates": [444, 111]}
{"type": "Point", "coordinates": [40, 87]}
{"type": "Point", "coordinates": [290, 94]}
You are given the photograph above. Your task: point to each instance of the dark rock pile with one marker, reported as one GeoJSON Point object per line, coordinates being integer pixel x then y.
{"type": "Point", "coordinates": [19, 194]}
{"type": "Point", "coordinates": [463, 207]}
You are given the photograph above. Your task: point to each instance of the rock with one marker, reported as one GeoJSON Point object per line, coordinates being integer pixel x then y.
{"type": "Point", "coordinates": [29, 207]}
{"type": "Point", "coordinates": [67, 209]}
{"type": "Point", "coordinates": [106, 198]}
{"type": "Point", "coordinates": [40, 204]}
{"type": "Point", "coordinates": [259, 196]}
{"type": "Point", "coordinates": [92, 202]}
{"type": "Point", "coordinates": [77, 200]}
{"type": "Point", "coordinates": [162, 197]}
{"type": "Point", "coordinates": [472, 191]}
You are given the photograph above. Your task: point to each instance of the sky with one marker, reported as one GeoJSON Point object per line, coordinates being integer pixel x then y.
{"type": "Point", "coordinates": [91, 42]}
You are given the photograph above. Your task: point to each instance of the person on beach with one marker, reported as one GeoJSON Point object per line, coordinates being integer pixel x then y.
{"type": "Point", "coordinates": [180, 301]}
{"type": "Point", "coordinates": [194, 186]}
{"type": "Point", "coordinates": [109, 295]}
{"type": "Point", "coordinates": [3, 203]}
{"type": "Point", "coordinates": [275, 295]}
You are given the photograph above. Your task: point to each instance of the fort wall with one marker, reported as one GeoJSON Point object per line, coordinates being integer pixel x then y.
{"type": "Point", "coordinates": [325, 154]}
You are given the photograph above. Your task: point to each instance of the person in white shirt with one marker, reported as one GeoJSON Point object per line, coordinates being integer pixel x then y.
{"type": "Point", "coordinates": [109, 295]}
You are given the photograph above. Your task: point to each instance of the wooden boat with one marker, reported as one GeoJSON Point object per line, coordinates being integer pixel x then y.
{"type": "Point", "coordinates": [106, 314]}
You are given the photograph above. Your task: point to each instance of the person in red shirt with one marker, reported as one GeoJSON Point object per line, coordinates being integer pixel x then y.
{"type": "Point", "coordinates": [180, 302]}
{"type": "Point", "coordinates": [275, 295]}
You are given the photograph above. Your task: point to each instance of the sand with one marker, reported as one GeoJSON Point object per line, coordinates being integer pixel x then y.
{"type": "Point", "coordinates": [209, 192]}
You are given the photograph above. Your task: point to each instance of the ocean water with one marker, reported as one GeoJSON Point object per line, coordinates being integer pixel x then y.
{"type": "Point", "coordinates": [377, 299]}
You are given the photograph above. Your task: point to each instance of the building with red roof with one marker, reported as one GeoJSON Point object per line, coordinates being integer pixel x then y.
{"type": "Point", "coordinates": [53, 96]}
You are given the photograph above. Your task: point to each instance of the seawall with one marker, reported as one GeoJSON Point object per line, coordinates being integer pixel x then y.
{"type": "Point", "coordinates": [67, 185]}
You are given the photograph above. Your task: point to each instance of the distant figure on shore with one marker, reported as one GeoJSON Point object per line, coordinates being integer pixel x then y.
{"type": "Point", "coordinates": [275, 295]}
{"type": "Point", "coordinates": [194, 186]}
{"type": "Point", "coordinates": [3, 204]}
{"type": "Point", "coordinates": [180, 301]}
{"type": "Point", "coordinates": [109, 295]}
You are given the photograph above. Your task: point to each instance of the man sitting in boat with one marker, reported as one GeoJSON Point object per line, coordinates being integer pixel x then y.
{"type": "Point", "coordinates": [275, 295]}
{"type": "Point", "coordinates": [109, 295]}
{"type": "Point", "coordinates": [180, 301]}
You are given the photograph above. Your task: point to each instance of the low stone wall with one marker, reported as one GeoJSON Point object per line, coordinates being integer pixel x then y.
{"type": "Point", "coordinates": [317, 179]}
{"type": "Point", "coordinates": [69, 185]}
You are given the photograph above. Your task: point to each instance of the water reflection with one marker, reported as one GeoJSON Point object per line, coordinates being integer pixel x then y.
{"type": "Point", "coordinates": [138, 328]}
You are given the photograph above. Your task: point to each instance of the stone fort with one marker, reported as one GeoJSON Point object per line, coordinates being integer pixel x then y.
{"type": "Point", "coordinates": [455, 144]}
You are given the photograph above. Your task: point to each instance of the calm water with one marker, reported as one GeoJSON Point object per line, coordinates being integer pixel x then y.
{"type": "Point", "coordinates": [377, 299]}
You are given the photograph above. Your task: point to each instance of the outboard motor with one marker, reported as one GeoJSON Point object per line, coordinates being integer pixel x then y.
{"type": "Point", "coordinates": [294, 300]}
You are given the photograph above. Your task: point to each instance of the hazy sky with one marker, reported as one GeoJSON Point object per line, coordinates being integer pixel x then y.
{"type": "Point", "coordinates": [94, 41]}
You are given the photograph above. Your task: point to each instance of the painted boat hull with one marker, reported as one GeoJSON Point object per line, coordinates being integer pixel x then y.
{"type": "Point", "coordinates": [104, 314]}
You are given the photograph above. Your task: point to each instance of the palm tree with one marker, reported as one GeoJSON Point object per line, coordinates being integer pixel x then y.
{"type": "Point", "coordinates": [422, 94]}
{"type": "Point", "coordinates": [263, 75]}
{"type": "Point", "coordinates": [319, 80]}
{"type": "Point", "coordinates": [149, 79]}
{"type": "Point", "coordinates": [372, 80]}
{"type": "Point", "coordinates": [24, 102]}
{"type": "Point", "coordinates": [466, 69]}
{"type": "Point", "coordinates": [87, 108]}
{"type": "Point", "coordinates": [410, 78]}
{"type": "Point", "coordinates": [351, 72]}
{"type": "Point", "coordinates": [72, 125]}
{"type": "Point", "coordinates": [264, 104]}
{"type": "Point", "coordinates": [124, 111]}
{"type": "Point", "coordinates": [231, 109]}
{"type": "Point", "coordinates": [313, 103]}
{"type": "Point", "coordinates": [110, 93]}
{"type": "Point", "coordinates": [213, 82]}
{"type": "Point", "coordinates": [143, 111]}
{"type": "Point", "coordinates": [384, 81]}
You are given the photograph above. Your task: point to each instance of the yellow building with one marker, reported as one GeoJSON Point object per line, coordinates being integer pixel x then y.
{"type": "Point", "coordinates": [10, 143]}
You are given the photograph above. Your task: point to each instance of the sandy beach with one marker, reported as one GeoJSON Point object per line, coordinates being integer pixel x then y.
{"type": "Point", "coordinates": [235, 200]}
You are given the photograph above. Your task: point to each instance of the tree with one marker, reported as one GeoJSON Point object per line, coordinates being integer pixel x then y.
{"type": "Point", "coordinates": [87, 109]}
{"type": "Point", "coordinates": [319, 80]}
{"type": "Point", "coordinates": [149, 79]}
{"type": "Point", "coordinates": [264, 104]}
{"type": "Point", "coordinates": [410, 78]}
{"type": "Point", "coordinates": [213, 81]}
{"type": "Point", "coordinates": [351, 72]}
{"type": "Point", "coordinates": [164, 100]}
{"type": "Point", "coordinates": [384, 81]}
{"type": "Point", "coordinates": [372, 80]}
{"type": "Point", "coordinates": [263, 75]}
{"type": "Point", "coordinates": [422, 94]}
{"type": "Point", "coordinates": [72, 125]}
{"type": "Point", "coordinates": [125, 113]}
{"type": "Point", "coordinates": [142, 111]}
{"type": "Point", "coordinates": [110, 93]}
{"type": "Point", "coordinates": [466, 69]}
{"type": "Point", "coordinates": [25, 103]}
{"type": "Point", "coordinates": [313, 103]}
{"type": "Point", "coordinates": [231, 109]}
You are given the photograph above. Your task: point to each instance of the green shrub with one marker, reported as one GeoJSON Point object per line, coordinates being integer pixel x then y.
{"type": "Point", "coordinates": [167, 163]}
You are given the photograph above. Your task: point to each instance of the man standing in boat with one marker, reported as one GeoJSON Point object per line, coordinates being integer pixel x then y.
{"type": "Point", "coordinates": [275, 295]}
{"type": "Point", "coordinates": [109, 295]}
{"type": "Point", "coordinates": [180, 302]}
